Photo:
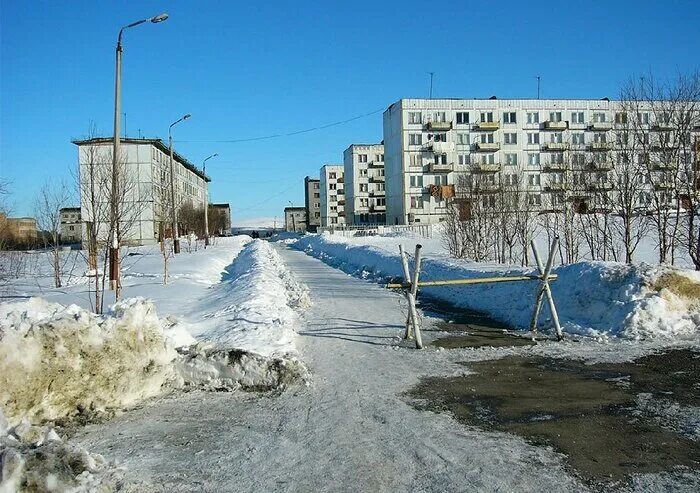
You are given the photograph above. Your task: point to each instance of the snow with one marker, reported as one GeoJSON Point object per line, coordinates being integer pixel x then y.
{"type": "Point", "coordinates": [597, 299]}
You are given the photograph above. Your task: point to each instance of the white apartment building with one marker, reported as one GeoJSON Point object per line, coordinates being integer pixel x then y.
{"type": "Point", "coordinates": [332, 189]}
{"type": "Point", "coordinates": [312, 203]}
{"type": "Point", "coordinates": [146, 165]}
{"type": "Point", "coordinates": [365, 192]}
{"type": "Point", "coordinates": [429, 143]}
{"type": "Point", "coordinates": [70, 225]}
{"type": "Point", "coordinates": [295, 219]}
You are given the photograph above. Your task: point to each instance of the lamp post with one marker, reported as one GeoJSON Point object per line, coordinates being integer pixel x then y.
{"type": "Point", "coordinates": [206, 201]}
{"type": "Point", "coordinates": [114, 206]}
{"type": "Point", "coordinates": [176, 235]}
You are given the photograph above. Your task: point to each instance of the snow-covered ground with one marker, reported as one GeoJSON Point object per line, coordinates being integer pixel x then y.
{"type": "Point", "coordinates": [599, 299]}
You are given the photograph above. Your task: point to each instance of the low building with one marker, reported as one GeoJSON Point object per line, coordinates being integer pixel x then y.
{"type": "Point", "coordinates": [18, 229]}
{"type": "Point", "coordinates": [312, 203]}
{"type": "Point", "coordinates": [220, 219]}
{"type": "Point", "coordinates": [146, 208]}
{"type": "Point", "coordinates": [70, 227]}
{"type": "Point", "coordinates": [295, 219]}
{"type": "Point", "coordinates": [364, 184]}
{"type": "Point", "coordinates": [332, 195]}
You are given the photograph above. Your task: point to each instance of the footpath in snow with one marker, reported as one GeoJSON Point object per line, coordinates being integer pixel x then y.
{"type": "Point", "coordinates": [599, 299]}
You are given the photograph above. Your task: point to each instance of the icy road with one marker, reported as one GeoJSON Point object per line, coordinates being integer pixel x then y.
{"type": "Point", "coordinates": [352, 429]}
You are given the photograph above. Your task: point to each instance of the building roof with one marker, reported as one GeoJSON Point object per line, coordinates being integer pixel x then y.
{"type": "Point", "coordinates": [295, 209]}
{"type": "Point", "coordinates": [221, 205]}
{"type": "Point", "coordinates": [158, 143]}
{"type": "Point", "coordinates": [70, 209]}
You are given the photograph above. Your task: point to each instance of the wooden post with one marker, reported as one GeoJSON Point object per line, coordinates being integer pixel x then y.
{"type": "Point", "coordinates": [545, 290]}
{"type": "Point", "coordinates": [413, 296]}
{"type": "Point", "coordinates": [407, 279]}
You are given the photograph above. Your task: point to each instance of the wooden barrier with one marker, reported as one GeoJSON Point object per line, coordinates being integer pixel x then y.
{"type": "Point", "coordinates": [412, 283]}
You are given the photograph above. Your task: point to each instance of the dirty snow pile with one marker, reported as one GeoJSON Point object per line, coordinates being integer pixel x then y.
{"type": "Point", "coordinates": [248, 325]}
{"type": "Point", "coordinates": [599, 299]}
{"type": "Point", "coordinates": [35, 458]}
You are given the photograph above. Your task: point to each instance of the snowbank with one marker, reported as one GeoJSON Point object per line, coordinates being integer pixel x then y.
{"type": "Point", "coordinates": [36, 458]}
{"type": "Point", "coordinates": [57, 361]}
{"type": "Point", "coordinates": [254, 307]}
{"type": "Point", "coordinates": [597, 299]}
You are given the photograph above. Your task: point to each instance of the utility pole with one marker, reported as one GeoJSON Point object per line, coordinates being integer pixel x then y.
{"type": "Point", "coordinates": [538, 86]}
{"type": "Point", "coordinates": [114, 281]}
{"type": "Point", "coordinates": [206, 201]}
{"type": "Point", "coordinates": [124, 125]}
{"type": "Point", "coordinates": [176, 235]}
{"type": "Point", "coordinates": [431, 84]}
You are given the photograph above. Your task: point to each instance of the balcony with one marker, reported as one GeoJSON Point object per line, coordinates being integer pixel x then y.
{"type": "Point", "coordinates": [486, 168]}
{"type": "Point", "coordinates": [377, 193]}
{"type": "Point", "coordinates": [663, 186]}
{"type": "Point", "coordinates": [601, 146]}
{"type": "Point", "coordinates": [487, 146]}
{"type": "Point", "coordinates": [487, 187]}
{"type": "Point", "coordinates": [375, 164]}
{"type": "Point", "coordinates": [377, 208]}
{"type": "Point", "coordinates": [438, 126]}
{"type": "Point", "coordinates": [662, 127]}
{"type": "Point", "coordinates": [487, 126]}
{"type": "Point", "coordinates": [606, 166]}
{"type": "Point", "coordinates": [440, 147]}
{"type": "Point", "coordinates": [662, 166]}
{"type": "Point", "coordinates": [552, 125]}
{"type": "Point", "coordinates": [341, 202]}
{"type": "Point", "coordinates": [377, 179]}
{"type": "Point", "coordinates": [601, 187]}
{"type": "Point", "coordinates": [555, 167]}
{"type": "Point", "coordinates": [441, 168]}
{"type": "Point", "coordinates": [555, 146]}
{"type": "Point", "coordinates": [600, 126]}
{"type": "Point", "coordinates": [340, 180]}
{"type": "Point", "coordinates": [554, 187]}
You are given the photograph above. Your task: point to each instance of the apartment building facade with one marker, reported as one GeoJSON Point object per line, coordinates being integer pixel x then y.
{"type": "Point", "coordinates": [312, 203]}
{"type": "Point", "coordinates": [71, 227]}
{"type": "Point", "coordinates": [145, 164]}
{"type": "Point", "coordinates": [555, 150]}
{"type": "Point", "coordinates": [365, 193]}
{"type": "Point", "coordinates": [332, 186]}
{"type": "Point", "coordinates": [295, 219]}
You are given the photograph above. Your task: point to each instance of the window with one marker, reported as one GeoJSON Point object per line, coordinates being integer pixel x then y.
{"type": "Point", "coordinates": [362, 158]}
{"type": "Point", "coordinates": [578, 160]}
{"type": "Point", "coordinates": [436, 180]}
{"type": "Point", "coordinates": [621, 118]}
{"type": "Point", "coordinates": [555, 116]}
{"type": "Point", "coordinates": [440, 116]}
{"type": "Point", "coordinates": [71, 228]}
{"type": "Point", "coordinates": [557, 158]}
{"type": "Point", "coordinates": [509, 117]}
{"type": "Point", "coordinates": [511, 159]}
{"type": "Point", "coordinates": [533, 138]}
{"type": "Point", "coordinates": [599, 137]}
{"type": "Point", "coordinates": [379, 158]}
{"type": "Point", "coordinates": [416, 181]}
{"type": "Point", "coordinates": [534, 199]}
{"type": "Point", "coordinates": [556, 138]}
{"type": "Point", "coordinates": [462, 139]}
{"type": "Point", "coordinates": [442, 137]}
{"type": "Point", "coordinates": [414, 117]}
{"type": "Point", "coordinates": [415, 160]}
{"type": "Point", "coordinates": [463, 159]}
{"type": "Point", "coordinates": [440, 159]}
{"type": "Point", "coordinates": [334, 220]}
{"type": "Point", "coordinates": [488, 159]}
{"type": "Point", "coordinates": [486, 116]}
{"type": "Point", "coordinates": [364, 187]}
{"type": "Point", "coordinates": [577, 117]}
{"type": "Point", "coordinates": [578, 138]}
{"type": "Point", "coordinates": [364, 202]}
{"type": "Point", "coordinates": [379, 187]}
{"type": "Point", "coordinates": [363, 173]}
{"type": "Point", "coordinates": [316, 185]}
{"type": "Point", "coordinates": [510, 180]}
{"type": "Point", "coordinates": [416, 202]}
{"type": "Point", "coordinates": [533, 179]}
{"type": "Point", "coordinates": [533, 117]}
{"type": "Point", "coordinates": [332, 186]}
{"type": "Point", "coordinates": [331, 176]}
{"type": "Point", "coordinates": [462, 118]}
{"type": "Point", "coordinates": [643, 118]}
{"type": "Point", "coordinates": [598, 117]}
{"type": "Point", "coordinates": [317, 195]}
{"type": "Point", "coordinates": [414, 139]}
{"type": "Point", "coordinates": [487, 138]}
{"type": "Point", "coordinates": [533, 159]}
{"type": "Point", "coordinates": [511, 138]}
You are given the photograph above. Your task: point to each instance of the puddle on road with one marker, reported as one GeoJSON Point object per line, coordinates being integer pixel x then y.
{"type": "Point", "coordinates": [583, 411]}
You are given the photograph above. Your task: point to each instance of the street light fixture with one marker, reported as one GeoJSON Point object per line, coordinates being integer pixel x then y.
{"type": "Point", "coordinates": [114, 206]}
{"type": "Point", "coordinates": [176, 235]}
{"type": "Point", "coordinates": [206, 200]}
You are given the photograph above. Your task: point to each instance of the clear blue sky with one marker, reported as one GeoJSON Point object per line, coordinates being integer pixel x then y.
{"type": "Point", "coordinates": [247, 69]}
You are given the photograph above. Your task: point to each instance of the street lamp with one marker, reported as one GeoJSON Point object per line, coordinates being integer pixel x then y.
{"type": "Point", "coordinates": [114, 209]}
{"type": "Point", "coordinates": [176, 236]}
{"type": "Point", "coordinates": [206, 200]}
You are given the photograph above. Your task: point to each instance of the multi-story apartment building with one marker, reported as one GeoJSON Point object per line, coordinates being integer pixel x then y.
{"type": "Point", "coordinates": [332, 195]}
{"type": "Point", "coordinates": [312, 203]}
{"type": "Point", "coordinates": [223, 225]}
{"type": "Point", "coordinates": [364, 184]}
{"type": "Point", "coordinates": [556, 151]}
{"type": "Point", "coordinates": [70, 225]}
{"type": "Point", "coordinates": [145, 168]}
{"type": "Point", "coordinates": [18, 229]}
{"type": "Point", "coordinates": [295, 219]}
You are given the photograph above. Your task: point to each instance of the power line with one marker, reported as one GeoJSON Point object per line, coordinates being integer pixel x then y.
{"type": "Point", "coordinates": [288, 134]}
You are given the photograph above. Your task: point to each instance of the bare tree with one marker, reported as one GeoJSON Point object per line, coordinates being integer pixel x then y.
{"type": "Point", "coordinates": [51, 199]}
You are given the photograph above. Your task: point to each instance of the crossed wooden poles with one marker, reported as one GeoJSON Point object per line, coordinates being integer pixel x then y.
{"type": "Point", "coordinates": [412, 283]}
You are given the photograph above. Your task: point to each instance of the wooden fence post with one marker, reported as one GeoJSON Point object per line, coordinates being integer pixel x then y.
{"type": "Point", "coordinates": [545, 290]}
{"type": "Point", "coordinates": [407, 279]}
{"type": "Point", "coordinates": [413, 296]}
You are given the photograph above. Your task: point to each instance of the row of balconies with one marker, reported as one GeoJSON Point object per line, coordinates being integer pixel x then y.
{"type": "Point", "coordinates": [496, 125]}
